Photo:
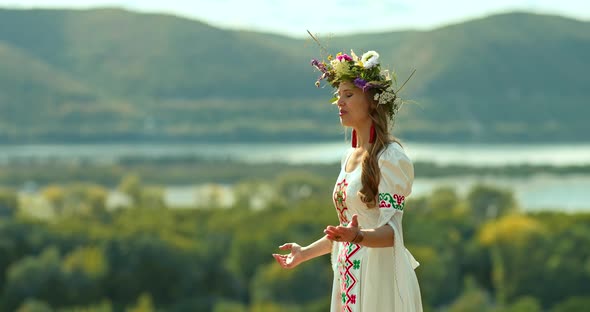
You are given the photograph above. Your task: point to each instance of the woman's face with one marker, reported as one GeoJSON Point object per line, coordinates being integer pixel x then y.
{"type": "Point", "coordinates": [353, 105]}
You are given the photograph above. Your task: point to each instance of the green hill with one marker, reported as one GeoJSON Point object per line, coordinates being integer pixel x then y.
{"type": "Point", "coordinates": [116, 75]}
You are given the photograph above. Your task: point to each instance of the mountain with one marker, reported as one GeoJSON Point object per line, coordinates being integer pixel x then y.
{"type": "Point", "coordinates": [116, 75]}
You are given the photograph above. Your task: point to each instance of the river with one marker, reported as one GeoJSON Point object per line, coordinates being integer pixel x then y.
{"type": "Point", "coordinates": [541, 192]}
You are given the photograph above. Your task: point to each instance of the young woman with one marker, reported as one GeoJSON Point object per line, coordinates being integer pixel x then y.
{"type": "Point", "coordinates": [373, 271]}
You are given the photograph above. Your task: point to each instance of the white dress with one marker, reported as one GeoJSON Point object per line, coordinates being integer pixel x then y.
{"type": "Point", "coordinates": [375, 279]}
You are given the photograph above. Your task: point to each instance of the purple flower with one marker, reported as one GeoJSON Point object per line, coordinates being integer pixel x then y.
{"type": "Point", "coordinates": [320, 66]}
{"type": "Point", "coordinates": [343, 57]}
{"type": "Point", "coordinates": [362, 84]}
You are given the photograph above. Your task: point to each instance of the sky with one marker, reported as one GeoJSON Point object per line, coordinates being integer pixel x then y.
{"type": "Point", "coordinates": [333, 17]}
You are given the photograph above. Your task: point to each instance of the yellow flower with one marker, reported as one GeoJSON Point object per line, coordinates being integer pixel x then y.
{"type": "Point", "coordinates": [340, 68]}
{"type": "Point", "coordinates": [354, 56]}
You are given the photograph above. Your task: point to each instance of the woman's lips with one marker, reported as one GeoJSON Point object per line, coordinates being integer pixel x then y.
{"type": "Point", "coordinates": [342, 112]}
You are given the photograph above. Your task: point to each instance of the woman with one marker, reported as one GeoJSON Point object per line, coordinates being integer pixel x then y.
{"type": "Point", "coordinates": [373, 271]}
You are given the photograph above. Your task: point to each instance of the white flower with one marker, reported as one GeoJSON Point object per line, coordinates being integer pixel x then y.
{"type": "Point", "coordinates": [370, 59]}
{"type": "Point", "coordinates": [386, 97]}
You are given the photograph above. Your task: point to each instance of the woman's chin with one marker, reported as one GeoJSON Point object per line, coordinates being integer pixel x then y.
{"type": "Point", "coordinates": [344, 122]}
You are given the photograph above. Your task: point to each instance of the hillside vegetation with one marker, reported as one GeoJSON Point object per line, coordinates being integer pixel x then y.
{"type": "Point", "coordinates": [116, 75]}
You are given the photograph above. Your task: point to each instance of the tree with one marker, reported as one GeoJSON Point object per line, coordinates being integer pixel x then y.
{"type": "Point", "coordinates": [131, 185]}
{"type": "Point", "coordinates": [229, 306]}
{"type": "Point", "coordinates": [85, 269]}
{"type": "Point", "coordinates": [56, 196]}
{"type": "Point", "coordinates": [488, 202]}
{"type": "Point", "coordinates": [95, 197]}
{"type": "Point", "coordinates": [443, 199]}
{"type": "Point", "coordinates": [104, 306]}
{"type": "Point", "coordinates": [572, 304]}
{"type": "Point", "coordinates": [152, 198]}
{"type": "Point", "coordinates": [507, 238]}
{"type": "Point", "coordinates": [8, 203]}
{"type": "Point", "coordinates": [524, 304]}
{"type": "Point", "coordinates": [144, 304]}
{"type": "Point", "coordinates": [308, 282]}
{"type": "Point", "coordinates": [473, 298]}
{"type": "Point", "coordinates": [32, 305]}
{"type": "Point", "coordinates": [291, 187]}
{"type": "Point", "coordinates": [39, 277]}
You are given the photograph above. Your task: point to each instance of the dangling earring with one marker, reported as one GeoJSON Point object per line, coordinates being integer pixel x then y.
{"type": "Point", "coordinates": [372, 134]}
{"type": "Point", "coordinates": [353, 138]}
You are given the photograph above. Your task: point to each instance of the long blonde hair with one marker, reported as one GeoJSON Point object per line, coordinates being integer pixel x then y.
{"type": "Point", "coordinates": [371, 173]}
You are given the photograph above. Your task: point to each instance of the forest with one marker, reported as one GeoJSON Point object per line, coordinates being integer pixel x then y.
{"type": "Point", "coordinates": [478, 252]}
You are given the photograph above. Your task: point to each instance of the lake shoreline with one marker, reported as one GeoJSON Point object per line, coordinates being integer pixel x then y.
{"type": "Point", "coordinates": [541, 175]}
{"type": "Point", "coordinates": [479, 154]}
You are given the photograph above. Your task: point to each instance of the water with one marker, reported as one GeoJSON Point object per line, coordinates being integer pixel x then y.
{"type": "Point", "coordinates": [502, 154]}
{"type": "Point", "coordinates": [569, 193]}
{"type": "Point", "coordinates": [471, 154]}
{"type": "Point", "coordinates": [536, 193]}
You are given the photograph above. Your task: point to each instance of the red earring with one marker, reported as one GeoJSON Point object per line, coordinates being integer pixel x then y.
{"type": "Point", "coordinates": [353, 138]}
{"type": "Point", "coordinates": [372, 135]}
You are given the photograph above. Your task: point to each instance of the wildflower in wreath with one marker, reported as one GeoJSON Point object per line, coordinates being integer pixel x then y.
{"type": "Point", "coordinates": [364, 72]}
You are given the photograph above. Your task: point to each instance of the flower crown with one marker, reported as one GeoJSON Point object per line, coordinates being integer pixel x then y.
{"type": "Point", "coordinates": [365, 73]}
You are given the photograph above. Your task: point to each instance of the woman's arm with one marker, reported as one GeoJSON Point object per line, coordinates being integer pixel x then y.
{"type": "Point", "coordinates": [378, 237]}
{"type": "Point", "coordinates": [318, 248]}
{"type": "Point", "coordinates": [300, 254]}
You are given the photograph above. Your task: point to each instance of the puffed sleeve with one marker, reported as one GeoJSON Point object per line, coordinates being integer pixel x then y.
{"type": "Point", "coordinates": [397, 176]}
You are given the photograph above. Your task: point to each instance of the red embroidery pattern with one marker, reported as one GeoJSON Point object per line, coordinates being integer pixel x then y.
{"type": "Point", "coordinates": [349, 270]}
{"type": "Point", "coordinates": [399, 198]}
{"type": "Point", "coordinates": [396, 201]}
{"type": "Point", "coordinates": [340, 201]}
{"type": "Point", "coordinates": [384, 204]}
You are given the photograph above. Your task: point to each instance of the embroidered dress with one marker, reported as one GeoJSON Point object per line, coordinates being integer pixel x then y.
{"type": "Point", "coordinates": [375, 279]}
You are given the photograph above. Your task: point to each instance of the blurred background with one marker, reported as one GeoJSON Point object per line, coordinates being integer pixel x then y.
{"type": "Point", "coordinates": [153, 155]}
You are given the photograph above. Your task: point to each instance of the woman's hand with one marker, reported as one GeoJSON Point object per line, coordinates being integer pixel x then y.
{"type": "Point", "coordinates": [291, 260]}
{"type": "Point", "coordinates": [343, 233]}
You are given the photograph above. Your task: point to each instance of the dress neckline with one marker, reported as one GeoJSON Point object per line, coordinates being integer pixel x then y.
{"type": "Point", "coordinates": [346, 164]}
{"type": "Point", "coordinates": [399, 146]}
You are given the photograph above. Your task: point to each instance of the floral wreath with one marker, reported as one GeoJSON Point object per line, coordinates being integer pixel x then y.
{"type": "Point", "coordinates": [364, 72]}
